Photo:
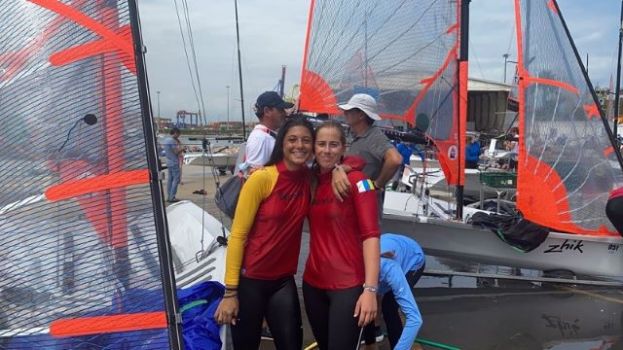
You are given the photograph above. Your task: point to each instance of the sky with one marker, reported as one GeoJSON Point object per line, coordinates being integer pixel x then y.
{"type": "Point", "coordinates": [272, 34]}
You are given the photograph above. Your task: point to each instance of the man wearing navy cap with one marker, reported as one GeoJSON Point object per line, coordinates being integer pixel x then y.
{"type": "Point", "coordinates": [270, 109]}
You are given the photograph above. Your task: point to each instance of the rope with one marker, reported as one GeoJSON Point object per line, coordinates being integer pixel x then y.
{"type": "Point", "coordinates": [435, 344]}
{"type": "Point", "coordinates": [186, 33]}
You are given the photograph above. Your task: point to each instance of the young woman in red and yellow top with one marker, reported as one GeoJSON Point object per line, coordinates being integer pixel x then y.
{"type": "Point", "coordinates": [341, 274]}
{"type": "Point", "coordinates": [264, 244]}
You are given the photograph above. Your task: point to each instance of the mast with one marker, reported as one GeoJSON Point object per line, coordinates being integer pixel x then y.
{"type": "Point", "coordinates": [617, 92]}
{"type": "Point", "coordinates": [282, 82]}
{"type": "Point", "coordinates": [244, 130]}
{"type": "Point", "coordinates": [162, 233]}
{"type": "Point", "coordinates": [462, 93]}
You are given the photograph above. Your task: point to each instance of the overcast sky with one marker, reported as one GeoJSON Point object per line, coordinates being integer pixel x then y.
{"type": "Point", "coordinates": [272, 34]}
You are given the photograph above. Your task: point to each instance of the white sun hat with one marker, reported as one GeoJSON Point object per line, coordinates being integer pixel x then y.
{"type": "Point", "coordinates": [364, 102]}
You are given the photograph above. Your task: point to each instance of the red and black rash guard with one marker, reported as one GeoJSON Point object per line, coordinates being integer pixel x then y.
{"type": "Point", "coordinates": [337, 233]}
{"type": "Point", "coordinates": [265, 237]}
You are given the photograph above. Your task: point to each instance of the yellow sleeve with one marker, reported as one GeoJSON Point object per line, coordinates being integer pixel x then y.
{"type": "Point", "coordinates": [257, 188]}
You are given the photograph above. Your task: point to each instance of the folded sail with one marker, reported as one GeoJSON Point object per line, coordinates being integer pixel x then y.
{"type": "Point", "coordinates": [567, 165]}
{"type": "Point", "coordinates": [403, 53]}
{"type": "Point", "coordinates": [78, 236]}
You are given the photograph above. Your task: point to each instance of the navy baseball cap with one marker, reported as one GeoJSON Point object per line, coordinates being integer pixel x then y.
{"type": "Point", "coordinates": [272, 99]}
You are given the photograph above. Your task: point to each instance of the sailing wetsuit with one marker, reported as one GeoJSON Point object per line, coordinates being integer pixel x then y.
{"type": "Point", "coordinates": [334, 272]}
{"type": "Point", "coordinates": [262, 255]}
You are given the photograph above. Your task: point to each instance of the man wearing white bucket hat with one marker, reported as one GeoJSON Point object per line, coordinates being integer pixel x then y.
{"type": "Point", "coordinates": [369, 142]}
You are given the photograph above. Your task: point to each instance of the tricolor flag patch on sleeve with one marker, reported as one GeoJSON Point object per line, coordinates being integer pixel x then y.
{"type": "Point", "coordinates": [365, 186]}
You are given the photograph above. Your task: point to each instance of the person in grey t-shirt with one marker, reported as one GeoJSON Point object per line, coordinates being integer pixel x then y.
{"type": "Point", "coordinates": [369, 142]}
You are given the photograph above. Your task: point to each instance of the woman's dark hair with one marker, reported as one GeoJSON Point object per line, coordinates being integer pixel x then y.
{"type": "Point", "coordinates": [277, 155]}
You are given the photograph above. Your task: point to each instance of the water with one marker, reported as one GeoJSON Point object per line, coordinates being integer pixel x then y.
{"type": "Point", "coordinates": [487, 313]}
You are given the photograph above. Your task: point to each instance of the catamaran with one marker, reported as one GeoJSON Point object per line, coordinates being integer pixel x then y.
{"type": "Point", "coordinates": [412, 57]}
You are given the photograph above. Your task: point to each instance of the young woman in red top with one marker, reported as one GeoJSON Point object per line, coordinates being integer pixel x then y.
{"type": "Point", "coordinates": [341, 273]}
{"type": "Point", "coordinates": [263, 248]}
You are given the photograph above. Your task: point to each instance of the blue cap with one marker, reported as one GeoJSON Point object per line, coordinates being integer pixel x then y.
{"type": "Point", "coordinates": [272, 99]}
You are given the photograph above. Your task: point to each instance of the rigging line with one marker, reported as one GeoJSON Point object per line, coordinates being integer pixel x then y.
{"type": "Point", "coordinates": [443, 100]}
{"type": "Point", "coordinates": [511, 40]}
{"type": "Point", "coordinates": [208, 154]}
{"type": "Point", "coordinates": [194, 55]}
{"type": "Point", "coordinates": [602, 197]}
{"type": "Point", "coordinates": [407, 30]}
{"type": "Point", "coordinates": [319, 26]}
{"type": "Point", "coordinates": [473, 52]}
{"type": "Point", "coordinates": [556, 24]}
{"type": "Point", "coordinates": [388, 18]}
{"type": "Point", "coordinates": [320, 66]}
{"type": "Point", "coordinates": [179, 22]}
{"type": "Point", "coordinates": [399, 36]}
{"type": "Point", "coordinates": [552, 120]}
{"type": "Point", "coordinates": [413, 55]}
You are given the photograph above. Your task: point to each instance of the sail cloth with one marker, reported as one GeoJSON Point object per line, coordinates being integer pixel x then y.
{"type": "Point", "coordinates": [77, 223]}
{"type": "Point", "coordinates": [567, 165]}
{"type": "Point", "coordinates": [403, 53]}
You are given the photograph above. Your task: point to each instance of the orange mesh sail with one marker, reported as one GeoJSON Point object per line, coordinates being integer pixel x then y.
{"type": "Point", "coordinates": [402, 53]}
{"type": "Point", "coordinates": [565, 170]}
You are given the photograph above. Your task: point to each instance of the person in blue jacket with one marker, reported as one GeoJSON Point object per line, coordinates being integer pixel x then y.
{"type": "Point", "coordinates": [472, 151]}
{"type": "Point", "coordinates": [402, 265]}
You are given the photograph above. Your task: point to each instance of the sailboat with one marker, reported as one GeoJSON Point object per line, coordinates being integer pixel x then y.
{"type": "Point", "coordinates": [412, 57]}
{"type": "Point", "coordinates": [90, 256]}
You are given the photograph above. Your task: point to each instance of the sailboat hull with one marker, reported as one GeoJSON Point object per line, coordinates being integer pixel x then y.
{"type": "Point", "coordinates": [225, 161]}
{"type": "Point", "coordinates": [197, 255]}
{"type": "Point", "coordinates": [579, 254]}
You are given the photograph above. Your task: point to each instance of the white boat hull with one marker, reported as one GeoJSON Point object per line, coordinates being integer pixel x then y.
{"type": "Point", "coordinates": [197, 255]}
{"type": "Point", "coordinates": [217, 160]}
{"type": "Point", "coordinates": [189, 254]}
{"type": "Point", "coordinates": [435, 180]}
{"type": "Point", "coordinates": [580, 254]}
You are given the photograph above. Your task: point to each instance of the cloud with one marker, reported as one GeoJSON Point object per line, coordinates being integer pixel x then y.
{"type": "Point", "coordinates": [272, 34]}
